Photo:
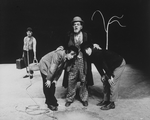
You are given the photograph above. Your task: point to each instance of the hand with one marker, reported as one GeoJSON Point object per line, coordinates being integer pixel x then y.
{"type": "Point", "coordinates": [97, 46]}
{"type": "Point", "coordinates": [104, 78]}
{"type": "Point", "coordinates": [111, 81]}
{"type": "Point", "coordinates": [60, 48]}
{"type": "Point", "coordinates": [35, 60]}
{"type": "Point", "coordinates": [48, 83]}
{"type": "Point", "coordinates": [88, 51]}
{"type": "Point", "coordinates": [54, 81]}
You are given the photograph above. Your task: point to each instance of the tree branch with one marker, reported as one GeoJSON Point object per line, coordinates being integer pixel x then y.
{"type": "Point", "coordinates": [117, 22]}
{"type": "Point", "coordinates": [102, 18]}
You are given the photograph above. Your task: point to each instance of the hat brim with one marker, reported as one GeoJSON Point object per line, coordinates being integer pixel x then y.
{"type": "Point", "coordinates": [77, 21]}
{"type": "Point", "coordinates": [29, 29]}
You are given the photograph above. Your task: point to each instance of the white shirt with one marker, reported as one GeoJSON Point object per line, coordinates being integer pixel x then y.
{"type": "Point", "coordinates": [78, 40]}
{"type": "Point", "coordinates": [29, 43]}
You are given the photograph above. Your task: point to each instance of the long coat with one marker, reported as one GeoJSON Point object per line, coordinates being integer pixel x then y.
{"type": "Point", "coordinates": [87, 68]}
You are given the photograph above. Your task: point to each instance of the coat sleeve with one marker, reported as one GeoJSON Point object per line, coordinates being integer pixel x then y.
{"type": "Point", "coordinates": [108, 72]}
{"type": "Point", "coordinates": [53, 67]}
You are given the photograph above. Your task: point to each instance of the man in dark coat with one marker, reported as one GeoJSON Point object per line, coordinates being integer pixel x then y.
{"type": "Point", "coordinates": [80, 69]}
{"type": "Point", "coordinates": [110, 66]}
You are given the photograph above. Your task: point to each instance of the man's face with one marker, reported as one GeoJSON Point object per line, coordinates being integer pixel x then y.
{"type": "Point", "coordinates": [29, 33]}
{"type": "Point", "coordinates": [77, 27]}
{"type": "Point", "coordinates": [71, 55]}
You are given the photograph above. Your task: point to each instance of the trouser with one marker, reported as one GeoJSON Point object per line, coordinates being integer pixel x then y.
{"type": "Point", "coordinates": [28, 58]}
{"type": "Point", "coordinates": [49, 92]}
{"type": "Point", "coordinates": [77, 71]}
{"type": "Point", "coordinates": [111, 91]}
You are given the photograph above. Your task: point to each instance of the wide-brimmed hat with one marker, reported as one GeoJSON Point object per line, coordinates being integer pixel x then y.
{"type": "Point", "coordinates": [77, 19]}
{"type": "Point", "coordinates": [29, 29]}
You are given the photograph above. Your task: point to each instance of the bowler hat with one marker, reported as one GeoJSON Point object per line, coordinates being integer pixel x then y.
{"type": "Point", "coordinates": [29, 29]}
{"type": "Point", "coordinates": [77, 19]}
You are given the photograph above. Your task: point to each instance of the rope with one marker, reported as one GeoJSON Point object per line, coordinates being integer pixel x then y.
{"type": "Point", "coordinates": [35, 109]}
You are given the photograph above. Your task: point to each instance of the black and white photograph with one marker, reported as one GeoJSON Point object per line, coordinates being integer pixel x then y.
{"type": "Point", "coordinates": [74, 60]}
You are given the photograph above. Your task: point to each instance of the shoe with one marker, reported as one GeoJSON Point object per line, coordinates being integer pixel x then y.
{"type": "Point", "coordinates": [68, 104]}
{"type": "Point", "coordinates": [31, 71]}
{"type": "Point", "coordinates": [53, 108]}
{"type": "Point", "coordinates": [109, 106]}
{"type": "Point", "coordinates": [102, 103]}
{"type": "Point", "coordinates": [85, 103]}
{"type": "Point", "coordinates": [31, 76]}
{"type": "Point", "coordinates": [25, 76]}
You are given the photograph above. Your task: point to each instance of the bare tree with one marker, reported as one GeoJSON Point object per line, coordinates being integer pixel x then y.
{"type": "Point", "coordinates": [106, 28]}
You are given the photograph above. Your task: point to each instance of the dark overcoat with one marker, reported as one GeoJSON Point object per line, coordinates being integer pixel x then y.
{"type": "Point", "coordinates": [87, 64]}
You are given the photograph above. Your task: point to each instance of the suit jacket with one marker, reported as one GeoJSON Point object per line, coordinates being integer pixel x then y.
{"type": "Point", "coordinates": [87, 64]}
{"type": "Point", "coordinates": [52, 64]}
{"type": "Point", "coordinates": [106, 60]}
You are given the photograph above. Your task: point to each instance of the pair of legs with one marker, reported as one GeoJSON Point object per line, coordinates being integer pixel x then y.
{"type": "Point", "coordinates": [49, 93]}
{"type": "Point", "coordinates": [28, 58]}
{"type": "Point", "coordinates": [111, 91]}
{"type": "Point", "coordinates": [77, 71]}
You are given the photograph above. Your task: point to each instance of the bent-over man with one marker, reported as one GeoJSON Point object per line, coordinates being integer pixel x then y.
{"type": "Point", "coordinates": [110, 66]}
{"type": "Point", "coordinates": [51, 67]}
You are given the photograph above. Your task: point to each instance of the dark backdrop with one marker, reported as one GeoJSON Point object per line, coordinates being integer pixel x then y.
{"type": "Point", "coordinates": [50, 20]}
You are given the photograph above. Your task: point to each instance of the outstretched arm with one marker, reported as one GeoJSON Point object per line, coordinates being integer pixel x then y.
{"type": "Point", "coordinates": [34, 47]}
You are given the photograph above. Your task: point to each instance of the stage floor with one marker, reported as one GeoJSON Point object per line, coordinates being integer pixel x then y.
{"type": "Point", "coordinates": [23, 98]}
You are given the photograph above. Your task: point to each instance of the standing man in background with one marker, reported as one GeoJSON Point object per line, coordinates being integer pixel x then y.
{"type": "Point", "coordinates": [29, 51]}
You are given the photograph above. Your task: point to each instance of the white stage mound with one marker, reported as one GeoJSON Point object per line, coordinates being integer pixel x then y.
{"type": "Point", "coordinates": [23, 98]}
